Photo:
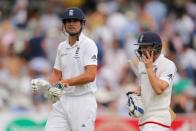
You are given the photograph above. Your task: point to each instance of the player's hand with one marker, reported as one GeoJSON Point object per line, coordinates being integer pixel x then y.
{"type": "Point", "coordinates": [55, 92]}
{"type": "Point", "coordinates": [38, 83]}
{"type": "Point", "coordinates": [148, 59]}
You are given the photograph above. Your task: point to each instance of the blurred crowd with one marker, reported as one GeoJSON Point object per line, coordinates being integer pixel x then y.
{"type": "Point", "coordinates": [31, 30]}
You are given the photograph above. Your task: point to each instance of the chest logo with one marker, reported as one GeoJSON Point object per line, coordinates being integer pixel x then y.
{"type": "Point", "coordinates": [77, 52]}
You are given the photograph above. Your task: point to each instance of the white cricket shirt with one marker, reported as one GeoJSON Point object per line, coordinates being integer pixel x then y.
{"type": "Point", "coordinates": [156, 106]}
{"type": "Point", "coordinates": [71, 60]}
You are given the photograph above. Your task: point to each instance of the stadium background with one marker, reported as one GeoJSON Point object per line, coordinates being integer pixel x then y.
{"type": "Point", "coordinates": [30, 31]}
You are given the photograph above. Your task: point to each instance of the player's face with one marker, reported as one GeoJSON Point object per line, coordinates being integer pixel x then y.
{"type": "Point", "coordinates": [72, 26]}
{"type": "Point", "coordinates": [146, 48]}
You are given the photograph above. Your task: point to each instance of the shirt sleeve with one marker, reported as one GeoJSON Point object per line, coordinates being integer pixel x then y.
{"type": "Point", "coordinates": [169, 74]}
{"type": "Point", "coordinates": [57, 64]}
{"type": "Point", "coordinates": [90, 56]}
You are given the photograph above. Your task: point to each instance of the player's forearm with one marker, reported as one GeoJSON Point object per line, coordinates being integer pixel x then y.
{"type": "Point", "coordinates": [78, 80]}
{"type": "Point", "coordinates": [87, 76]}
{"type": "Point", "coordinates": [55, 76]}
{"type": "Point", "coordinates": [157, 84]}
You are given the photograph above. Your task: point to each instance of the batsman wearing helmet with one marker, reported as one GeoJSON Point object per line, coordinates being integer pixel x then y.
{"type": "Point", "coordinates": [156, 74]}
{"type": "Point", "coordinates": [73, 78]}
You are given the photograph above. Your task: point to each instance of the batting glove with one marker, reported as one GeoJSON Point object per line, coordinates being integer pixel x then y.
{"type": "Point", "coordinates": [37, 84]}
{"type": "Point", "coordinates": [55, 92]}
{"type": "Point", "coordinates": [135, 105]}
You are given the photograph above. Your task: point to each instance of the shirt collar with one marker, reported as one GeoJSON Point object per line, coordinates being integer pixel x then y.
{"type": "Point", "coordinates": [158, 59]}
{"type": "Point", "coordinates": [77, 42]}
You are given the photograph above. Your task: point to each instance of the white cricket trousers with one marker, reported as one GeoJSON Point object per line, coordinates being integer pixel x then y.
{"type": "Point", "coordinates": [73, 113]}
{"type": "Point", "coordinates": [153, 127]}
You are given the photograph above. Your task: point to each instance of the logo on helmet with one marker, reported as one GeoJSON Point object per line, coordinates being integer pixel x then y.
{"type": "Point", "coordinates": [141, 38]}
{"type": "Point", "coordinates": [71, 12]}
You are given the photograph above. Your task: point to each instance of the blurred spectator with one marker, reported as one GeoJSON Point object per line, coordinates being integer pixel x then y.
{"type": "Point", "coordinates": [49, 20]}
{"type": "Point", "coordinates": [7, 34]}
{"type": "Point", "coordinates": [184, 25]}
{"type": "Point", "coordinates": [117, 22]}
{"type": "Point", "coordinates": [19, 14]}
{"type": "Point", "coordinates": [191, 8]}
{"type": "Point", "coordinates": [50, 42]}
{"type": "Point", "coordinates": [100, 55]}
{"type": "Point", "coordinates": [188, 62]}
{"type": "Point", "coordinates": [33, 19]}
{"type": "Point", "coordinates": [147, 22]}
{"type": "Point", "coordinates": [115, 61]}
{"type": "Point", "coordinates": [182, 97]}
{"type": "Point", "coordinates": [18, 86]}
{"type": "Point", "coordinates": [157, 10]}
{"type": "Point", "coordinates": [40, 67]}
{"type": "Point", "coordinates": [34, 47]}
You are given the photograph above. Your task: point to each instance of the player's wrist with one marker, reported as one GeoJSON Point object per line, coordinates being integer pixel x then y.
{"type": "Point", "coordinates": [65, 83]}
{"type": "Point", "coordinates": [149, 68]}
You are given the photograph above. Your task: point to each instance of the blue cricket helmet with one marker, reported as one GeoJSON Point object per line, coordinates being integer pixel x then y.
{"type": "Point", "coordinates": [149, 38]}
{"type": "Point", "coordinates": [73, 13]}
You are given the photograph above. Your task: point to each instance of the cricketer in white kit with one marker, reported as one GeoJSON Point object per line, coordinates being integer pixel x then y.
{"type": "Point", "coordinates": [76, 62]}
{"type": "Point", "coordinates": [156, 74]}
{"type": "Point", "coordinates": [76, 109]}
{"type": "Point", "coordinates": [73, 79]}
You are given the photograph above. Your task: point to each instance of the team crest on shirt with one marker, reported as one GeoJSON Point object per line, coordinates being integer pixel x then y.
{"type": "Point", "coordinates": [77, 52]}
